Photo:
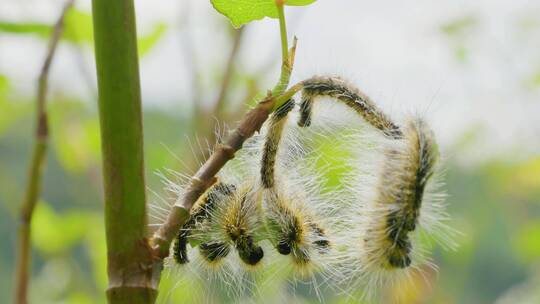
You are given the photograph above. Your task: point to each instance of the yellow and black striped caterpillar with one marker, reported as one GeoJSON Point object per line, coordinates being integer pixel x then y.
{"type": "Point", "coordinates": [406, 171]}
{"type": "Point", "coordinates": [272, 141]}
{"type": "Point", "coordinates": [220, 219]}
{"type": "Point", "coordinates": [294, 231]}
{"type": "Point", "coordinates": [241, 222]}
{"type": "Point", "coordinates": [352, 97]}
{"type": "Point", "coordinates": [292, 228]}
{"type": "Point", "coordinates": [200, 213]}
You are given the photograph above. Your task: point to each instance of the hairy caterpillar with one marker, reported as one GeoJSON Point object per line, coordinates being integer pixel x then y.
{"type": "Point", "coordinates": [225, 217]}
{"type": "Point", "coordinates": [290, 226]}
{"type": "Point", "coordinates": [200, 213]}
{"type": "Point", "coordinates": [403, 179]}
{"type": "Point", "coordinates": [398, 208]}
{"type": "Point", "coordinates": [271, 144]}
{"type": "Point", "coordinates": [296, 213]}
{"type": "Point", "coordinates": [337, 88]}
{"type": "Point", "coordinates": [294, 231]}
{"type": "Point", "coordinates": [240, 222]}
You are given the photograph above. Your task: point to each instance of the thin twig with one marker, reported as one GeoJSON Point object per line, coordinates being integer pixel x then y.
{"type": "Point", "coordinates": [37, 162]}
{"type": "Point", "coordinates": [205, 176]}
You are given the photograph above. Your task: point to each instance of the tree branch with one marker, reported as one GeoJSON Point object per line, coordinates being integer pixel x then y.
{"type": "Point", "coordinates": [205, 176]}
{"type": "Point", "coordinates": [35, 172]}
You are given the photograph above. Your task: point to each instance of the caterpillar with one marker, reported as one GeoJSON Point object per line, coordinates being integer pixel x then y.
{"type": "Point", "coordinates": [352, 97]}
{"type": "Point", "coordinates": [199, 213]}
{"type": "Point", "coordinates": [241, 222]}
{"type": "Point", "coordinates": [403, 181]}
{"type": "Point", "coordinates": [293, 229]}
{"type": "Point", "coordinates": [224, 219]}
{"type": "Point", "coordinates": [399, 208]}
{"type": "Point", "coordinates": [272, 141]}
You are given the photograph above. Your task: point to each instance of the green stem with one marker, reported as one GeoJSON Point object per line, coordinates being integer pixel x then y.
{"type": "Point", "coordinates": [130, 264]}
{"type": "Point", "coordinates": [286, 63]}
{"type": "Point", "coordinates": [283, 33]}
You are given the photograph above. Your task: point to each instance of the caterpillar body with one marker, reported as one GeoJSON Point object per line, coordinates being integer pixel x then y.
{"type": "Point", "coordinates": [400, 197]}
{"type": "Point", "coordinates": [338, 88]}
{"type": "Point", "coordinates": [200, 213]}
{"type": "Point", "coordinates": [240, 223]}
{"type": "Point", "coordinates": [295, 232]}
{"type": "Point", "coordinates": [399, 208]}
{"type": "Point", "coordinates": [403, 180]}
{"type": "Point", "coordinates": [292, 228]}
{"type": "Point", "coordinates": [272, 141]}
{"type": "Point", "coordinates": [224, 218]}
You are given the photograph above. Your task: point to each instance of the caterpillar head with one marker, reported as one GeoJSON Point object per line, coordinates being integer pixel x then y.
{"type": "Point", "coordinates": [224, 219]}
{"type": "Point", "coordinates": [201, 216]}
{"type": "Point", "coordinates": [294, 231]}
{"type": "Point", "coordinates": [241, 225]}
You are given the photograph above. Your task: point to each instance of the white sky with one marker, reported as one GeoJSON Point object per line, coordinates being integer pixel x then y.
{"type": "Point", "coordinates": [393, 50]}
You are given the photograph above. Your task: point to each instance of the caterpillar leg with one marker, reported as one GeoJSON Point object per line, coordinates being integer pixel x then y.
{"type": "Point", "coordinates": [294, 231]}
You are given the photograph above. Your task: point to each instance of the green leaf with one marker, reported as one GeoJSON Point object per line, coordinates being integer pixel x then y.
{"type": "Point", "coordinates": [78, 27]}
{"type": "Point", "coordinates": [527, 241]}
{"type": "Point", "coordinates": [146, 43]}
{"type": "Point", "coordinates": [39, 29]}
{"type": "Point", "coordinates": [4, 84]}
{"type": "Point", "coordinates": [53, 233]}
{"type": "Point", "coordinates": [11, 111]}
{"type": "Point", "coordinates": [244, 11]}
{"type": "Point", "coordinates": [75, 136]}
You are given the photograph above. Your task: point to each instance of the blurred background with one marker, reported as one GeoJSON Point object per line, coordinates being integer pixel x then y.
{"type": "Point", "coordinates": [472, 68]}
